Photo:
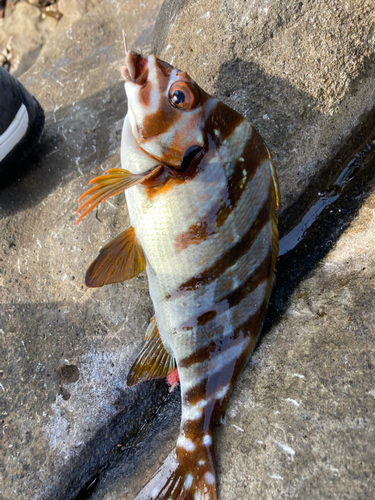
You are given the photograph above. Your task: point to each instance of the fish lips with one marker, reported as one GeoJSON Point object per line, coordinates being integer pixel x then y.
{"type": "Point", "coordinates": [135, 69]}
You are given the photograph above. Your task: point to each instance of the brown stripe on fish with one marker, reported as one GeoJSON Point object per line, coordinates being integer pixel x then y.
{"type": "Point", "coordinates": [209, 352]}
{"type": "Point", "coordinates": [231, 255]}
{"type": "Point", "coordinates": [213, 385]}
{"type": "Point", "coordinates": [212, 343]}
{"type": "Point", "coordinates": [258, 276]}
{"type": "Point", "coordinates": [166, 116]}
{"type": "Point", "coordinates": [158, 123]}
{"type": "Point", "coordinates": [221, 123]}
{"type": "Point", "coordinates": [199, 355]}
{"type": "Point", "coordinates": [209, 386]}
{"type": "Point", "coordinates": [252, 157]}
{"type": "Point", "coordinates": [252, 286]}
{"type": "Point", "coordinates": [217, 387]}
{"type": "Point", "coordinates": [197, 426]}
{"type": "Point", "coordinates": [206, 317]}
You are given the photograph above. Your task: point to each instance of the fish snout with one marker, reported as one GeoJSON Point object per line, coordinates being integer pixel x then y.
{"type": "Point", "coordinates": [135, 68]}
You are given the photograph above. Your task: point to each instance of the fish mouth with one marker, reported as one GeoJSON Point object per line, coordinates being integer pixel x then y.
{"type": "Point", "coordinates": [190, 155]}
{"type": "Point", "coordinates": [188, 158]}
{"type": "Point", "coordinates": [135, 69]}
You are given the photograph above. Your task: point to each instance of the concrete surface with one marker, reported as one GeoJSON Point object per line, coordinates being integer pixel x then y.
{"type": "Point", "coordinates": [66, 350]}
{"type": "Point", "coordinates": [49, 319]}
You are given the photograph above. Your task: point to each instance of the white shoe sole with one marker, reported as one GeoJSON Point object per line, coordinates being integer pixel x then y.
{"type": "Point", "coordinates": [14, 133]}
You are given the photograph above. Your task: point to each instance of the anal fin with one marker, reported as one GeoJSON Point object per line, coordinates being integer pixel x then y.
{"type": "Point", "coordinates": [153, 361]}
{"type": "Point", "coordinates": [119, 260]}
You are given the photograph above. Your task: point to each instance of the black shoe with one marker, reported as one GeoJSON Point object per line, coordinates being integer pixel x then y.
{"type": "Point", "coordinates": [21, 123]}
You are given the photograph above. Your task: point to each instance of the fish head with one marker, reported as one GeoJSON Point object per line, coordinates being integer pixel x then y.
{"type": "Point", "coordinates": [166, 110]}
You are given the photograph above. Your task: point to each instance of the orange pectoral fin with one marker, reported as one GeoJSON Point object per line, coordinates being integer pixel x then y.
{"type": "Point", "coordinates": [112, 182]}
{"type": "Point", "coordinates": [119, 260]}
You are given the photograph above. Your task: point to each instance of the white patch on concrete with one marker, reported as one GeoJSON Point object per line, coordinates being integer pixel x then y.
{"type": "Point", "coordinates": [238, 428]}
{"type": "Point", "coordinates": [297, 375]}
{"type": "Point", "coordinates": [92, 397]}
{"type": "Point", "coordinates": [275, 476]}
{"type": "Point", "coordinates": [292, 401]}
{"type": "Point", "coordinates": [285, 447]}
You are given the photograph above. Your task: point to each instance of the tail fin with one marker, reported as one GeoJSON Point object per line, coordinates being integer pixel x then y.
{"type": "Point", "coordinates": [183, 476]}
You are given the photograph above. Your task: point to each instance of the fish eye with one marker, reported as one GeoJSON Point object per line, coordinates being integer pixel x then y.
{"type": "Point", "coordinates": [178, 97]}
{"type": "Point", "coordinates": [183, 95]}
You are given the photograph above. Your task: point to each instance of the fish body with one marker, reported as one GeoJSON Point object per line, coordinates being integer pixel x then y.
{"type": "Point", "coordinates": [202, 201]}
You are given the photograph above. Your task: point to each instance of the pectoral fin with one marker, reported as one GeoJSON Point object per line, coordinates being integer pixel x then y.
{"type": "Point", "coordinates": [119, 260]}
{"type": "Point", "coordinates": [112, 182]}
{"type": "Point", "coordinates": [153, 361]}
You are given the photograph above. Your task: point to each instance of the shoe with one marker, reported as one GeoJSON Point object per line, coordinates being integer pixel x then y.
{"type": "Point", "coordinates": [21, 124]}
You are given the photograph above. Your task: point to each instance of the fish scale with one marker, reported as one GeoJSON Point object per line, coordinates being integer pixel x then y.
{"type": "Point", "coordinates": [202, 194]}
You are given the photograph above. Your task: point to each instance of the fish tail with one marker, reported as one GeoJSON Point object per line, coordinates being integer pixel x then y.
{"type": "Point", "coordinates": [184, 475]}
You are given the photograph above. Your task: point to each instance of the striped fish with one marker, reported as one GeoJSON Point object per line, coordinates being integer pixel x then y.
{"type": "Point", "coordinates": [202, 206]}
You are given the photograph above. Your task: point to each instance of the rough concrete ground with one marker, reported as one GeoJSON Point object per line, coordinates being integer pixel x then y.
{"type": "Point", "coordinates": [60, 433]}
{"type": "Point", "coordinates": [53, 328]}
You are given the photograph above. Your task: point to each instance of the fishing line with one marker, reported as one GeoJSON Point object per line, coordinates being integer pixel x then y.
{"type": "Point", "coordinates": [122, 29]}
{"type": "Point", "coordinates": [115, 16]}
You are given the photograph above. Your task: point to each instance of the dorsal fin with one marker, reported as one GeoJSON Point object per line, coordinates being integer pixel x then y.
{"type": "Point", "coordinates": [119, 260]}
{"type": "Point", "coordinates": [275, 180]}
{"type": "Point", "coordinates": [153, 361]}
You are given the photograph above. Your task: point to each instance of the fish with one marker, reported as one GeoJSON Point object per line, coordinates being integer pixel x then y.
{"type": "Point", "coordinates": [202, 195]}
